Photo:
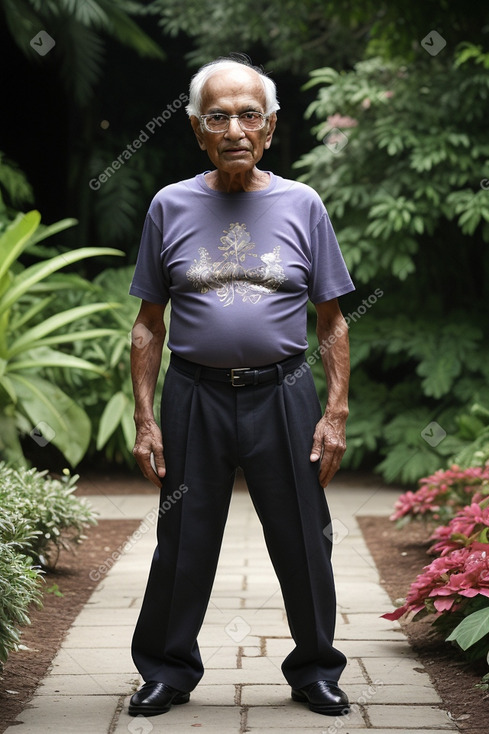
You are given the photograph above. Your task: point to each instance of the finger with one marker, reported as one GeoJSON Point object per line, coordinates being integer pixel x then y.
{"type": "Point", "coordinates": [316, 450]}
{"type": "Point", "coordinates": [330, 464]}
{"type": "Point", "coordinates": [158, 463]}
{"type": "Point", "coordinates": [143, 458]}
{"type": "Point", "coordinates": [148, 471]}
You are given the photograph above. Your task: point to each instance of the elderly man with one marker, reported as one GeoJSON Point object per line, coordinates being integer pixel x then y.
{"type": "Point", "coordinates": [239, 252]}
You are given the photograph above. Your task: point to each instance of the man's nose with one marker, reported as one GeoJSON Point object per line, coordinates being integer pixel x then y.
{"type": "Point", "coordinates": [234, 130]}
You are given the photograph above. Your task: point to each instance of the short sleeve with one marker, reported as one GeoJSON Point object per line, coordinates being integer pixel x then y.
{"type": "Point", "coordinates": [149, 281]}
{"type": "Point", "coordinates": [329, 276]}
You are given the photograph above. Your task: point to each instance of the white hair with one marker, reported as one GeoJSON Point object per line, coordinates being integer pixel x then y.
{"type": "Point", "coordinates": [205, 72]}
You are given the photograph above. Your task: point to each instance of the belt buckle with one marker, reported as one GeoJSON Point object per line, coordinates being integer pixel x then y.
{"type": "Point", "coordinates": [235, 376]}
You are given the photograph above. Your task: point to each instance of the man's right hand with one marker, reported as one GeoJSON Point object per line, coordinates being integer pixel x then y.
{"type": "Point", "coordinates": [148, 336]}
{"type": "Point", "coordinates": [149, 443]}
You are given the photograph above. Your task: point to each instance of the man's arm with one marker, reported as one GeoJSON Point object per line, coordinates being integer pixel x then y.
{"type": "Point", "coordinates": [329, 443]}
{"type": "Point", "coordinates": [148, 336]}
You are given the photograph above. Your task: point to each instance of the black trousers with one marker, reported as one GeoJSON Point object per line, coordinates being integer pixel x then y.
{"type": "Point", "coordinates": [209, 429]}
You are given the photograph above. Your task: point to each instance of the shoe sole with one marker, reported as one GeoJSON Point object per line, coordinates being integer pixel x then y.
{"type": "Point", "coordinates": [144, 710]}
{"type": "Point", "coordinates": [333, 710]}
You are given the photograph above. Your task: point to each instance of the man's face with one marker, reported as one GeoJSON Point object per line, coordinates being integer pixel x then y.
{"type": "Point", "coordinates": [232, 92]}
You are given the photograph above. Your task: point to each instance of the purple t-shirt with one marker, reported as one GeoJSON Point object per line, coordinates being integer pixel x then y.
{"type": "Point", "coordinates": [239, 269]}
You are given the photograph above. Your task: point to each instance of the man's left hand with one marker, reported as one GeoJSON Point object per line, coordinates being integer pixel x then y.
{"type": "Point", "coordinates": [328, 447]}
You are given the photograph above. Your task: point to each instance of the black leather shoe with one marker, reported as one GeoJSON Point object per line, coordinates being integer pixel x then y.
{"type": "Point", "coordinates": [323, 697]}
{"type": "Point", "coordinates": [155, 698]}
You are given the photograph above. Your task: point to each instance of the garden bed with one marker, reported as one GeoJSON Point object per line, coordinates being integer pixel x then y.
{"type": "Point", "coordinates": [25, 668]}
{"type": "Point", "coordinates": [400, 555]}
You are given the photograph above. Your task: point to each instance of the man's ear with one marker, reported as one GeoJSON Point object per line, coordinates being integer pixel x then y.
{"type": "Point", "coordinates": [272, 121]}
{"type": "Point", "coordinates": [197, 128]}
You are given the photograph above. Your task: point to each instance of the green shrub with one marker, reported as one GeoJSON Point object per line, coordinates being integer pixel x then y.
{"type": "Point", "coordinates": [401, 163]}
{"type": "Point", "coordinates": [19, 588]}
{"type": "Point", "coordinates": [473, 434]}
{"type": "Point", "coordinates": [44, 512]}
{"type": "Point", "coordinates": [39, 516]}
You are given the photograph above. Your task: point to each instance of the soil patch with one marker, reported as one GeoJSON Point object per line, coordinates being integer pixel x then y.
{"type": "Point", "coordinates": [25, 668]}
{"type": "Point", "coordinates": [400, 556]}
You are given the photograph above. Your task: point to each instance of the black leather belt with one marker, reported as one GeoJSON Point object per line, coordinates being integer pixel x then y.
{"type": "Point", "coordinates": [238, 376]}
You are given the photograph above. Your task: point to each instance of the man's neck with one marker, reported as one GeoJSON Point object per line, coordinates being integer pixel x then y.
{"type": "Point", "coordinates": [253, 180]}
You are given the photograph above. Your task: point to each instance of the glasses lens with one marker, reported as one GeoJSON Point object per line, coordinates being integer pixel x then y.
{"type": "Point", "coordinates": [216, 123]}
{"type": "Point", "coordinates": [251, 121]}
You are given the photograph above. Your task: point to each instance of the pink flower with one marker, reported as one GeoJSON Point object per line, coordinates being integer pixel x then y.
{"type": "Point", "coordinates": [443, 493]}
{"type": "Point", "coordinates": [463, 529]}
{"type": "Point", "coordinates": [340, 121]}
{"type": "Point", "coordinates": [447, 581]}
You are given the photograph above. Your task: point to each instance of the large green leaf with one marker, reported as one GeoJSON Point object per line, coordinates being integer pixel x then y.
{"type": "Point", "coordinates": [471, 629]}
{"type": "Point", "coordinates": [32, 336]}
{"type": "Point", "coordinates": [76, 336]}
{"type": "Point", "coordinates": [45, 357]}
{"type": "Point", "coordinates": [128, 427]}
{"type": "Point", "coordinates": [111, 417]}
{"type": "Point", "coordinates": [33, 274]}
{"type": "Point", "coordinates": [15, 238]}
{"type": "Point", "coordinates": [45, 231]}
{"type": "Point", "coordinates": [55, 415]}
{"type": "Point", "coordinates": [10, 447]}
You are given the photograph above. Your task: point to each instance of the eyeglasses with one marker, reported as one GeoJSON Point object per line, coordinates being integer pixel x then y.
{"type": "Point", "coordinates": [218, 122]}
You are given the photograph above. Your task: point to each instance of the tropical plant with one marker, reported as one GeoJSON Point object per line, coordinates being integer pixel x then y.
{"type": "Point", "coordinates": [78, 30]}
{"type": "Point", "coordinates": [401, 157]}
{"type": "Point", "coordinates": [109, 404]}
{"type": "Point", "coordinates": [30, 404]}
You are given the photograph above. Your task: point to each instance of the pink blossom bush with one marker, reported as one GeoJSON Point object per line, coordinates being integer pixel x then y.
{"type": "Point", "coordinates": [454, 587]}
{"type": "Point", "coordinates": [441, 495]}
{"type": "Point", "coordinates": [447, 582]}
{"type": "Point", "coordinates": [341, 121]}
{"type": "Point", "coordinates": [470, 524]}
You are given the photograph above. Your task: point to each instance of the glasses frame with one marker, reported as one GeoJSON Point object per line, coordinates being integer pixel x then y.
{"type": "Point", "coordinates": [203, 121]}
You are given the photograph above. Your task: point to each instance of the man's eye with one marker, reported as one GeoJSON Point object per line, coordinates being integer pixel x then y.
{"type": "Point", "coordinates": [250, 116]}
{"type": "Point", "coordinates": [217, 117]}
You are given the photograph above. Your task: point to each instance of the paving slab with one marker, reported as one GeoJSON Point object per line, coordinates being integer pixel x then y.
{"type": "Point", "coordinates": [295, 715]}
{"type": "Point", "coordinates": [422, 717]}
{"type": "Point", "coordinates": [189, 717]}
{"type": "Point", "coordinates": [67, 715]}
{"type": "Point", "coordinates": [243, 641]}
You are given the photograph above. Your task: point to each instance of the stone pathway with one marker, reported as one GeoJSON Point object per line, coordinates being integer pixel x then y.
{"type": "Point", "coordinates": [243, 641]}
